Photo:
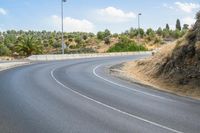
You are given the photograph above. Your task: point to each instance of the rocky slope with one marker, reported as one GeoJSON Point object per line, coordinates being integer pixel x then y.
{"type": "Point", "coordinates": [175, 68]}
{"type": "Point", "coordinates": [183, 65]}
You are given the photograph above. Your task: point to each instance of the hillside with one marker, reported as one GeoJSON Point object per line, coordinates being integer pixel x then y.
{"type": "Point", "coordinates": [175, 68]}
{"type": "Point", "coordinates": [19, 44]}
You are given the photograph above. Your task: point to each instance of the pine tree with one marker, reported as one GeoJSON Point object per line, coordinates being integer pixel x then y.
{"type": "Point", "coordinates": [178, 24]}
{"type": "Point", "coordinates": [167, 27]}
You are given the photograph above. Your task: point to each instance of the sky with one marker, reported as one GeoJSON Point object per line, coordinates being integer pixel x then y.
{"type": "Point", "coordinates": [95, 15]}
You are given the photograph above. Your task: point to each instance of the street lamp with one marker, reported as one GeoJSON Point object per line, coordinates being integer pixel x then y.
{"type": "Point", "coordinates": [139, 14]}
{"type": "Point", "coordinates": [62, 42]}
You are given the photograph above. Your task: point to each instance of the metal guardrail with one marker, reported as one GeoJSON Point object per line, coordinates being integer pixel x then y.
{"type": "Point", "coordinates": [79, 56]}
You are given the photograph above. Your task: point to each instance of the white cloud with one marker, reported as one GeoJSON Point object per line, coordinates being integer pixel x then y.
{"type": "Point", "coordinates": [72, 25]}
{"type": "Point", "coordinates": [188, 20]}
{"type": "Point", "coordinates": [112, 14]}
{"type": "Point", "coordinates": [187, 7]}
{"type": "Point", "coordinates": [168, 6]}
{"type": "Point", "coordinates": [2, 11]}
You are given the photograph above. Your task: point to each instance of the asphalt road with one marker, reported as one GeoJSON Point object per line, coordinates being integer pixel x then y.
{"type": "Point", "coordinates": [79, 96]}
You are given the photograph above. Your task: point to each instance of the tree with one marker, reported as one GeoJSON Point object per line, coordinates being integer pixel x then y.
{"type": "Point", "coordinates": [102, 35]}
{"type": "Point", "coordinates": [107, 33]}
{"type": "Point", "coordinates": [107, 40]}
{"type": "Point", "coordinates": [159, 31]}
{"type": "Point", "coordinates": [115, 35]}
{"type": "Point", "coordinates": [85, 37]}
{"type": "Point", "coordinates": [167, 27]}
{"type": "Point", "coordinates": [133, 32]}
{"type": "Point", "coordinates": [178, 24]}
{"type": "Point", "coordinates": [51, 40]}
{"type": "Point", "coordinates": [198, 15]}
{"type": "Point", "coordinates": [29, 45]}
{"type": "Point", "coordinates": [197, 26]}
{"type": "Point", "coordinates": [78, 40]}
{"type": "Point", "coordinates": [141, 32]}
{"type": "Point", "coordinates": [151, 34]}
{"type": "Point", "coordinates": [150, 31]}
{"type": "Point", "coordinates": [176, 34]}
{"type": "Point", "coordinates": [185, 27]}
{"type": "Point", "coordinates": [165, 33]}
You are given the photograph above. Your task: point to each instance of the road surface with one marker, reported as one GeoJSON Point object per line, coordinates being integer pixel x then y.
{"type": "Point", "coordinates": [79, 96]}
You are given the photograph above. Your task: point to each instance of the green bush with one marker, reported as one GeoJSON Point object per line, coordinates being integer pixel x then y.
{"type": "Point", "coordinates": [103, 34]}
{"type": "Point", "coordinates": [4, 51]}
{"type": "Point", "coordinates": [107, 40]}
{"type": "Point", "coordinates": [78, 40]}
{"type": "Point", "coordinates": [126, 45]}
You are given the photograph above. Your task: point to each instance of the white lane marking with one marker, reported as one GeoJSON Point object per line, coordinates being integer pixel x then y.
{"type": "Point", "coordinates": [113, 108]}
{"type": "Point", "coordinates": [145, 93]}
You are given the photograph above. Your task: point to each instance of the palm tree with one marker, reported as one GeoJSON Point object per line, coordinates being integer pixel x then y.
{"type": "Point", "coordinates": [28, 45]}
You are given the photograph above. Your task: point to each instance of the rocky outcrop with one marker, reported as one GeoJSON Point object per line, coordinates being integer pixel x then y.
{"type": "Point", "coordinates": [183, 66]}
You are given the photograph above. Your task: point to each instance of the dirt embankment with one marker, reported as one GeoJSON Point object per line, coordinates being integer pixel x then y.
{"type": "Point", "coordinates": [175, 68]}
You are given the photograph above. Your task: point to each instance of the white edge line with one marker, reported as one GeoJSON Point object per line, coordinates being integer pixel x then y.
{"type": "Point", "coordinates": [110, 107]}
{"type": "Point", "coordinates": [148, 94]}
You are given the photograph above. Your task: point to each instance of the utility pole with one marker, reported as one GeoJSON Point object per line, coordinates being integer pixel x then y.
{"type": "Point", "coordinates": [62, 42]}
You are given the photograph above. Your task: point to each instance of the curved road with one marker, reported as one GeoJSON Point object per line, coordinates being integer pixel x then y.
{"type": "Point", "coordinates": [79, 96]}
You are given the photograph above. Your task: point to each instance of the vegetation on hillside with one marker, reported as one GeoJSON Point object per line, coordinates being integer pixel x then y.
{"type": "Point", "coordinates": [25, 43]}
{"type": "Point", "coordinates": [125, 44]}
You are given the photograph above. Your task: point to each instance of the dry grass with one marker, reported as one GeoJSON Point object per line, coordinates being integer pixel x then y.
{"type": "Point", "coordinates": [144, 71]}
{"type": "Point", "coordinates": [102, 47]}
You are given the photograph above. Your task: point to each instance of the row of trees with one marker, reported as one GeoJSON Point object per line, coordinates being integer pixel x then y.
{"type": "Point", "coordinates": [149, 34]}
{"type": "Point", "coordinates": [164, 33]}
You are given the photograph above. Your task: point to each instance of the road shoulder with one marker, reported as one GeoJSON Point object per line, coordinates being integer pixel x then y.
{"type": "Point", "coordinates": [11, 64]}
{"type": "Point", "coordinates": [123, 72]}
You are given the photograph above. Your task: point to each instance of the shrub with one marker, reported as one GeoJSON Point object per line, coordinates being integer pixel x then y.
{"type": "Point", "coordinates": [78, 40]}
{"type": "Point", "coordinates": [115, 35]}
{"type": "Point", "coordinates": [157, 40]}
{"type": "Point", "coordinates": [102, 35]}
{"type": "Point", "coordinates": [150, 31]}
{"type": "Point", "coordinates": [107, 40]}
{"type": "Point", "coordinates": [159, 31]}
{"type": "Point", "coordinates": [126, 45]}
{"type": "Point", "coordinates": [4, 51]}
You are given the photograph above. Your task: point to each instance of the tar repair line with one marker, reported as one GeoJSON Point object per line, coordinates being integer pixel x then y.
{"type": "Point", "coordinates": [148, 94]}
{"type": "Point", "coordinates": [112, 108]}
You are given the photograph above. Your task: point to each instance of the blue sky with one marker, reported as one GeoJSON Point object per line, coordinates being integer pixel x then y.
{"type": "Point", "coordinates": [94, 15]}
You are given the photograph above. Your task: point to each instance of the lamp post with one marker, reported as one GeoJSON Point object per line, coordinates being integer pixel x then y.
{"type": "Point", "coordinates": [139, 14]}
{"type": "Point", "coordinates": [62, 42]}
